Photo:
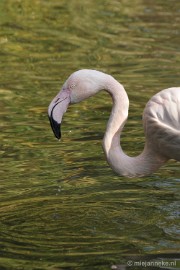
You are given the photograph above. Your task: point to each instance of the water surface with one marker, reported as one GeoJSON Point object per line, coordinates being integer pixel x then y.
{"type": "Point", "coordinates": [62, 207]}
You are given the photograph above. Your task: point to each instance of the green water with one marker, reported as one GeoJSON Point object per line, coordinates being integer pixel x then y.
{"type": "Point", "coordinates": [61, 206]}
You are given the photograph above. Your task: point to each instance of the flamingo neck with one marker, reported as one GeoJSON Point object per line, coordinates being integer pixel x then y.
{"type": "Point", "coordinates": [145, 163]}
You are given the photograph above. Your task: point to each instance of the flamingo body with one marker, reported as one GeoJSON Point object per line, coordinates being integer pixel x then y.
{"type": "Point", "coordinates": [161, 122]}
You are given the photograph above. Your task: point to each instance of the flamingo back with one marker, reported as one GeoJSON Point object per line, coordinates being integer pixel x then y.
{"type": "Point", "coordinates": [161, 119]}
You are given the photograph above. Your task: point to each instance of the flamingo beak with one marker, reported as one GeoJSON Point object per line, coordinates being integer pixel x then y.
{"type": "Point", "coordinates": [56, 110]}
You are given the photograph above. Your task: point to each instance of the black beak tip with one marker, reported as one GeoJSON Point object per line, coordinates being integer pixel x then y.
{"type": "Point", "coordinates": [56, 127]}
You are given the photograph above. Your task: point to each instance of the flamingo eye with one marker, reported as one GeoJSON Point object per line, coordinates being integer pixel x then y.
{"type": "Point", "coordinates": [72, 86]}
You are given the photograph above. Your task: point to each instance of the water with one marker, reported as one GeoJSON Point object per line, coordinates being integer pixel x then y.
{"type": "Point", "coordinates": [62, 207]}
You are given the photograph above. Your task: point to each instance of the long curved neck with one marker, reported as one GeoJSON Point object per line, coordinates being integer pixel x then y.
{"type": "Point", "coordinates": [144, 164]}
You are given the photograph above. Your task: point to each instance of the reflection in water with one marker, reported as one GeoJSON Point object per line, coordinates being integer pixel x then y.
{"type": "Point", "coordinates": [61, 205]}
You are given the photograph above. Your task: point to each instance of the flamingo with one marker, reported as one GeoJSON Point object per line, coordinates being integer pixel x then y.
{"type": "Point", "coordinates": [161, 121]}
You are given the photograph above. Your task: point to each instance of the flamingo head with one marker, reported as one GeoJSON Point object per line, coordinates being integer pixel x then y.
{"type": "Point", "coordinates": [79, 86]}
